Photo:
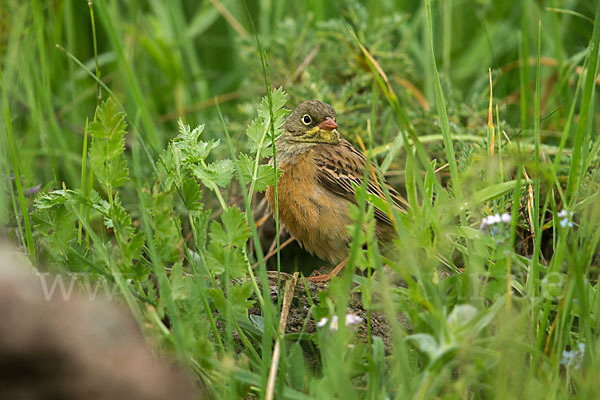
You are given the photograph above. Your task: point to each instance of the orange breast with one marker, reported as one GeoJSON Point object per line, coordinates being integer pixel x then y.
{"type": "Point", "coordinates": [316, 217]}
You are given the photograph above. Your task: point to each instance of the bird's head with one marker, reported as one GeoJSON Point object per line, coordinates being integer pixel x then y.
{"type": "Point", "coordinates": [311, 122]}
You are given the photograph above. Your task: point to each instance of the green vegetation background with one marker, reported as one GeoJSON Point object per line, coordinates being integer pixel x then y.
{"type": "Point", "coordinates": [490, 309]}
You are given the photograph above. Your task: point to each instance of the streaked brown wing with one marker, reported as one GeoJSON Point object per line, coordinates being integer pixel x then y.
{"type": "Point", "coordinates": [338, 166]}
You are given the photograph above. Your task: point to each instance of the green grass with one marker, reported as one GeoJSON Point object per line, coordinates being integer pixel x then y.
{"type": "Point", "coordinates": [166, 211]}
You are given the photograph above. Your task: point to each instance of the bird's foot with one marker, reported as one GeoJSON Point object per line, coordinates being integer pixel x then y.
{"type": "Point", "coordinates": [326, 277]}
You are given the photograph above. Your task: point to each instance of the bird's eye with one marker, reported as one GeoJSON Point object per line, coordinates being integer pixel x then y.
{"type": "Point", "coordinates": [306, 119]}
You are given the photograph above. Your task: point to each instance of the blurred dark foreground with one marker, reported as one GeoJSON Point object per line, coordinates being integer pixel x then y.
{"type": "Point", "coordinates": [52, 348]}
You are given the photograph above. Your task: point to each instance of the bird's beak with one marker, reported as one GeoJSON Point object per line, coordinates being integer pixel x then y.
{"type": "Point", "coordinates": [328, 132]}
{"type": "Point", "coordinates": [328, 125]}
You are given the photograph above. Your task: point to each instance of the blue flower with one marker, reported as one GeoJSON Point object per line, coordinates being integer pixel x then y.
{"type": "Point", "coordinates": [565, 218]}
{"type": "Point", "coordinates": [573, 358]}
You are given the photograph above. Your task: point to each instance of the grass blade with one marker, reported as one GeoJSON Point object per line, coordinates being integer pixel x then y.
{"type": "Point", "coordinates": [14, 157]}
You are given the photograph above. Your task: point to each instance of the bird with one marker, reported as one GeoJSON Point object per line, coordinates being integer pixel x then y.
{"type": "Point", "coordinates": [319, 169]}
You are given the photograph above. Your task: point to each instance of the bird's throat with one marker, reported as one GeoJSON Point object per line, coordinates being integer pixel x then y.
{"type": "Point", "coordinates": [318, 135]}
{"type": "Point", "coordinates": [289, 146]}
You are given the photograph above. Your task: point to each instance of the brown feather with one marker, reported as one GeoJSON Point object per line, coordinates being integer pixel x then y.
{"type": "Point", "coordinates": [339, 166]}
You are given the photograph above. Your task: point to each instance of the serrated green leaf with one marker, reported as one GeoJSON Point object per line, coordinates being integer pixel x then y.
{"type": "Point", "coordinates": [110, 122]}
{"type": "Point", "coordinates": [168, 167]}
{"type": "Point", "coordinates": [167, 227]}
{"type": "Point", "coordinates": [223, 170]}
{"type": "Point", "coordinates": [83, 198]}
{"type": "Point", "coordinates": [238, 297]}
{"type": "Point", "coordinates": [51, 199]}
{"type": "Point", "coordinates": [195, 152]}
{"type": "Point", "coordinates": [219, 259]}
{"type": "Point", "coordinates": [106, 152]}
{"type": "Point", "coordinates": [264, 176]}
{"type": "Point", "coordinates": [188, 134]}
{"type": "Point", "coordinates": [215, 259]}
{"type": "Point", "coordinates": [234, 231]}
{"type": "Point", "coordinates": [109, 148]}
{"type": "Point", "coordinates": [187, 143]}
{"type": "Point", "coordinates": [266, 152]}
{"type": "Point", "coordinates": [278, 97]}
{"type": "Point", "coordinates": [217, 173]}
{"type": "Point", "coordinates": [103, 207]}
{"type": "Point", "coordinates": [279, 117]}
{"type": "Point", "coordinates": [55, 223]}
{"type": "Point", "coordinates": [201, 228]}
{"type": "Point", "coordinates": [133, 248]}
{"type": "Point", "coordinates": [118, 219]}
{"type": "Point", "coordinates": [109, 172]}
{"type": "Point", "coordinates": [192, 194]}
{"type": "Point", "coordinates": [255, 131]}
{"type": "Point", "coordinates": [180, 284]}
{"type": "Point", "coordinates": [150, 289]}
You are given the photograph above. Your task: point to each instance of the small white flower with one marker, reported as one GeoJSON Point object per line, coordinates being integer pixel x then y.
{"type": "Point", "coordinates": [564, 222]}
{"type": "Point", "coordinates": [485, 222]}
{"type": "Point", "coordinates": [562, 213]}
{"type": "Point", "coordinates": [352, 319]}
{"type": "Point", "coordinates": [490, 220]}
{"type": "Point", "coordinates": [334, 323]}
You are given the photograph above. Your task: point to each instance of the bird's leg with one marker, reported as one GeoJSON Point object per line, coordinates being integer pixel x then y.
{"type": "Point", "coordinates": [262, 220]}
{"type": "Point", "coordinates": [273, 250]}
{"type": "Point", "coordinates": [326, 277]}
